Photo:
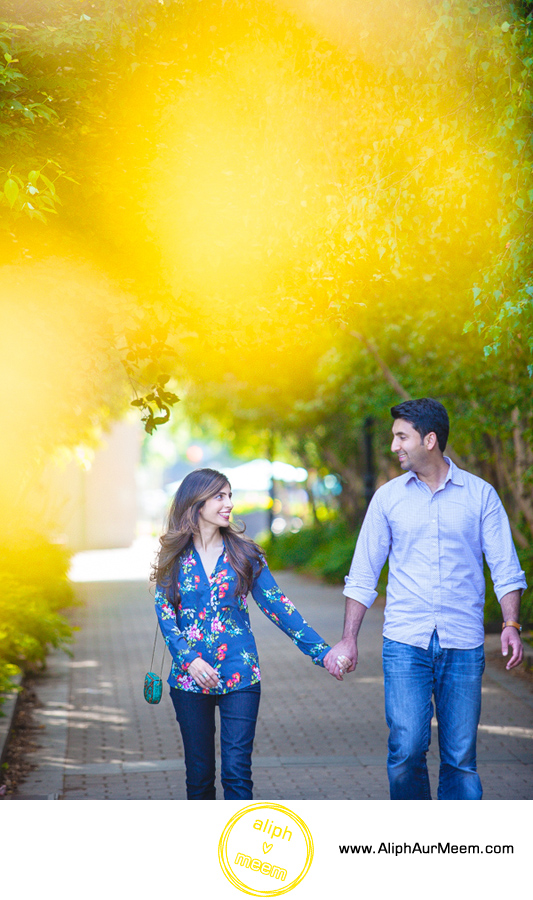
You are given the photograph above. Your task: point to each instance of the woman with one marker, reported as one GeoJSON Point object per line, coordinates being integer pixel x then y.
{"type": "Point", "coordinates": [205, 569]}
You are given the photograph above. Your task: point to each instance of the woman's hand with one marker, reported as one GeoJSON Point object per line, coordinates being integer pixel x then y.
{"type": "Point", "coordinates": [204, 674]}
{"type": "Point", "coordinates": [342, 658]}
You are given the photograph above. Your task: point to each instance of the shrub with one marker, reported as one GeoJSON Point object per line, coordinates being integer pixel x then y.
{"type": "Point", "coordinates": [287, 551]}
{"type": "Point", "coordinates": [325, 550]}
{"type": "Point", "coordinates": [493, 611]}
{"type": "Point", "coordinates": [33, 589]}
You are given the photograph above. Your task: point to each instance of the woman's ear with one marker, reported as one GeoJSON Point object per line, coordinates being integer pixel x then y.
{"type": "Point", "coordinates": [195, 513]}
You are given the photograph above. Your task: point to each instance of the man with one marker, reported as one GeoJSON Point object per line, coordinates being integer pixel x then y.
{"type": "Point", "coordinates": [434, 524]}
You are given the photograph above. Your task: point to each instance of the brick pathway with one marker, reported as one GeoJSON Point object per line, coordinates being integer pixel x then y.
{"type": "Point", "coordinates": [316, 738]}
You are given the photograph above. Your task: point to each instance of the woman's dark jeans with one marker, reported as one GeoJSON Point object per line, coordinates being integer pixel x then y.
{"type": "Point", "coordinates": [238, 717]}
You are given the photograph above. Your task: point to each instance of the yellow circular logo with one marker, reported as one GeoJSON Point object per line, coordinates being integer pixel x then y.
{"type": "Point", "coordinates": [265, 850]}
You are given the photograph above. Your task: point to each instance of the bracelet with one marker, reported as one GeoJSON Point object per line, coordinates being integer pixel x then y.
{"type": "Point", "coordinates": [512, 624]}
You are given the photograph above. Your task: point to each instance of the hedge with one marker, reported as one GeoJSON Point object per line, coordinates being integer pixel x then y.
{"type": "Point", "coordinates": [34, 589]}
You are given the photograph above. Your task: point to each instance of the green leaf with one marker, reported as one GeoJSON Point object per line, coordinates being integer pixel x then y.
{"type": "Point", "coordinates": [49, 184]}
{"type": "Point", "coordinates": [160, 420]}
{"type": "Point", "coordinates": [11, 191]}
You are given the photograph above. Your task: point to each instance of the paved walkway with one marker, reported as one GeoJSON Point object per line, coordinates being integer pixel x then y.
{"type": "Point", "coordinates": [317, 738]}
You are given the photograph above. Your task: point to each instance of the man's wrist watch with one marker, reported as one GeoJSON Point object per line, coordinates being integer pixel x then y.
{"type": "Point", "coordinates": [516, 625]}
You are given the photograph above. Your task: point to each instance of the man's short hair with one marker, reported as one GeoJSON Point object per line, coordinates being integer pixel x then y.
{"type": "Point", "coordinates": [425, 415]}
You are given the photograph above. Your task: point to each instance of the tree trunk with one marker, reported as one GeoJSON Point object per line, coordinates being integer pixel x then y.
{"type": "Point", "coordinates": [512, 482]}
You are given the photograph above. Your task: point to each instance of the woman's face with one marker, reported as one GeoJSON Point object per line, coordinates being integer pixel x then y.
{"type": "Point", "coordinates": [216, 510]}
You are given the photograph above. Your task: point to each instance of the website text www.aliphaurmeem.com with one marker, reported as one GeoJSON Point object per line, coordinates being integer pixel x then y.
{"type": "Point", "coordinates": [405, 849]}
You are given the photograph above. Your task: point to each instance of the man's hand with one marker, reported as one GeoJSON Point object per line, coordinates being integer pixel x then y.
{"type": "Point", "coordinates": [346, 647]}
{"type": "Point", "coordinates": [510, 604]}
{"type": "Point", "coordinates": [511, 640]}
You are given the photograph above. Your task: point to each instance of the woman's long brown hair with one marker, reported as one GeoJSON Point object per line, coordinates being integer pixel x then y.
{"type": "Point", "coordinates": [244, 554]}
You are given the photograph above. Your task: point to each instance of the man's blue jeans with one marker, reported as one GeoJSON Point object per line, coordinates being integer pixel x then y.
{"type": "Point", "coordinates": [412, 677]}
{"type": "Point", "coordinates": [238, 717]}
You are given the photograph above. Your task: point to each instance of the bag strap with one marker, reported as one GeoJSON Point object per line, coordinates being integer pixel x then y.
{"type": "Point", "coordinates": [153, 652]}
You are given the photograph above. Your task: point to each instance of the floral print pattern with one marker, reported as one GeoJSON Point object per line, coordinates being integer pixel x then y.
{"type": "Point", "coordinates": [211, 622]}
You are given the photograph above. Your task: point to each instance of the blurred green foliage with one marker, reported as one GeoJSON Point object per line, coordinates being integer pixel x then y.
{"type": "Point", "coordinates": [33, 593]}
{"type": "Point", "coordinates": [324, 551]}
{"type": "Point", "coordinates": [492, 607]}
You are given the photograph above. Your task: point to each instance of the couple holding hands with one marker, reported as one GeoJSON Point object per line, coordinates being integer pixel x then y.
{"type": "Point", "coordinates": [435, 524]}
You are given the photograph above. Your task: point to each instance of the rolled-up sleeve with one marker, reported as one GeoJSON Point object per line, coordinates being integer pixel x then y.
{"type": "Point", "coordinates": [498, 547]}
{"type": "Point", "coordinates": [179, 648]}
{"type": "Point", "coordinates": [280, 610]}
{"type": "Point", "coordinates": [370, 555]}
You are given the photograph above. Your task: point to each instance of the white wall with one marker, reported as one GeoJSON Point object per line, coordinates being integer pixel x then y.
{"type": "Point", "coordinates": [98, 508]}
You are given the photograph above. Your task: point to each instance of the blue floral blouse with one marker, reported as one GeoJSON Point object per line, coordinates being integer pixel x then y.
{"type": "Point", "coordinates": [213, 623]}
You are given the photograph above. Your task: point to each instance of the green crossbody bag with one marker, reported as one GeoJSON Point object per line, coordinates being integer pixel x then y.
{"type": "Point", "coordinates": [153, 684]}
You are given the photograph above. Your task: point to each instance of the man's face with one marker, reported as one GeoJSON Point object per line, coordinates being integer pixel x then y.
{"type": "Point", "coordinates": [410, 447]}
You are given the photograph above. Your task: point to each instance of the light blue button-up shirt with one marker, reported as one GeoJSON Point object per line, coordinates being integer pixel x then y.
{"type": "Point", "coordinates": [435, 543]}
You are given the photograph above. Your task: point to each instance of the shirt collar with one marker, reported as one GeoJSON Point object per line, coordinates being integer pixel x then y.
{"type": "Point", "coordinates": [454, 475]}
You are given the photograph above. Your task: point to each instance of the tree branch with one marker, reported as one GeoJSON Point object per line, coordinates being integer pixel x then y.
{"type": "Point", "coordinates": [395, 384]}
